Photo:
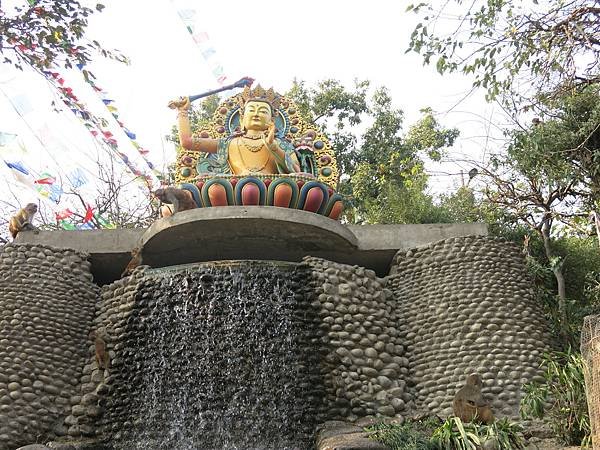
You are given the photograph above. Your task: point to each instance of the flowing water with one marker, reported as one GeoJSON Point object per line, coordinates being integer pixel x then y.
{"type": "Point", "coordinates": [220, 357]}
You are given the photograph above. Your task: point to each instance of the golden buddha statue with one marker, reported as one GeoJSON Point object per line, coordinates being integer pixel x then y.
{"type": "Point", "coordinates": [255, 149]}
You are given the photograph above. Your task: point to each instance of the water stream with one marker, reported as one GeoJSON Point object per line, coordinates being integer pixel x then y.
{"type": "Point", "coordinates": [221, 357]}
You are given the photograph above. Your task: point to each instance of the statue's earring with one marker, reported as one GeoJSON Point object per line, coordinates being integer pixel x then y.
{"type": "Point", "coordinates": [242, 129]}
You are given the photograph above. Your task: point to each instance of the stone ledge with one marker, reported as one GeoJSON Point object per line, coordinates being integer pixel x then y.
{"type": "Point", "coordinates": [338, 435]}
{"type": "Point", "coordinates": [237, 232]}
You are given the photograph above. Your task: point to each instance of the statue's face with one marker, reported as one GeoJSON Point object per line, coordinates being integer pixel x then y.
{"type": "Point", "coordinates": [257, 116]}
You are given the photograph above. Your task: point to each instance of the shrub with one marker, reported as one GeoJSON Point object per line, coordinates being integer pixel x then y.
{"type": "Point", "coordinates": [560, 401]}
{"type": "Point", "coordinates": [406, 436]}
{"type": "Point", "coordinates": [453, 434]}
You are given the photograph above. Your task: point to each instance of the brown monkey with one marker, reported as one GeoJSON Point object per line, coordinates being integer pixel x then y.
{"type": "Point", "coordinates": [469, 405]}
{"type": "Point", "coordinates": [99, 338]}
{"type": "Point", "coordinates": [526, 240]}
{"type": "Point", "coordinates": [136, 260]}
{"type": "Point", "coordinates": [180, 199]}
{"type": "Point", "coordinates": [22, 221]}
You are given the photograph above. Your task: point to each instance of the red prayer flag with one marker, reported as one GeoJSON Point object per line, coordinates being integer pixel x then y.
{"type": "Point", "coordinates": [47, 180]}
{"type": "Point", "coordinates": [64, 214]}
{"type": "Point", "coordinates": [89, 213]}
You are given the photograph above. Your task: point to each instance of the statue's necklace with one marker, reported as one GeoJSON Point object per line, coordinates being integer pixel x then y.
{"type": "Point", "coordinates": [254, 169]}
{"type": "Point", "coordinates": [254, 148]}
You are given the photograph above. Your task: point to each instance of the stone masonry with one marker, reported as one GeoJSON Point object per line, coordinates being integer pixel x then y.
{"type": "Point", "coordinates": [387, 347]}
{"type": "Point", "coordinates": [465, 305]}
{"type": "Point", "coordinates": [364, 363]}
{"type": "Point", "coordinates": [47, 301]}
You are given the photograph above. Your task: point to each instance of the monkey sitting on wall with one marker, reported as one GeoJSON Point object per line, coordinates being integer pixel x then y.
{"type": "Point", "coordinates": [469, 405]}
{"type": "Point", "coordinates": [180, 199]}
{"type": "Point", "coordinates": [99, 338]}
{"type": "Point", "coordinates": [136, 260]}
{"type": "Point", "coordinates": [22, 221]}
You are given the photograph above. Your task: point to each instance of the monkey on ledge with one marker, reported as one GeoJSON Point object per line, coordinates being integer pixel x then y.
{"type": "Point", "coordinates": [22, 221]}
{"type": "Point", "coordinates": [180, 199]}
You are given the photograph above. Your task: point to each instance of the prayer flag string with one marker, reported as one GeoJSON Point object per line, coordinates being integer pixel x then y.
{"type": "Point", "coordinates": [188, 16]}
{"type": "Point", "coordinates": [110, 106]}
{"type": "Point", "coordinates": [96, 126]}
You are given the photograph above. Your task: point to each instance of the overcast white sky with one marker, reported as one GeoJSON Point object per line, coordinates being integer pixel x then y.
{"type": "Point", "coordinates": [273, 42]}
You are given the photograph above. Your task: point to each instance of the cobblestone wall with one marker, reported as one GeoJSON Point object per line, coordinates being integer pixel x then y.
{"type": "Point", "coordinates": [47, 301]}
{"type": "Point", "coordinates": [465, 306]}
{"type": "Point", "coordinates": [112, 313]}
{"type": "Point", "coordinates": [372, 346]}
{"type": "Point", "coordinates": [364, 365]}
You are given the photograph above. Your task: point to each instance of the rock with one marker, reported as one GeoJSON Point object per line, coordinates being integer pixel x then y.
{"type": "Point", "coordinates": [34, 447]}
{"type": "Point", "coordinates": [344, 436]}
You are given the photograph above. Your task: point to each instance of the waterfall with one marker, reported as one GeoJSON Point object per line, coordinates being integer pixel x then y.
{"type": "Point", "coordinates": [220, 357]}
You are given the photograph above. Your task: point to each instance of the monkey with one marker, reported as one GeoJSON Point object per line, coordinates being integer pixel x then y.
{"type": "Point", "coordinates": [180, 199]}
{"type": "Point", "coordinates": [136, 260]}
{"type": "Point", "coordinates": [99, 338]}
{"type": "Point", "coordinates": [594, 218]}
{"type": "Point", "coordinates": [526, 240]}
{"type": "Point", "coordinates": [469, 405]}
{"type": "Point", "coordinates": [22, 221]}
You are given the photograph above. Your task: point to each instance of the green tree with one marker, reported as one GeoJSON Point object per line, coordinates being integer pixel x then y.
{"type": "Point", "coordinates": [463, 205]}
{"type": "Point", "coordinates": [547, 182]}
{"type": "Point", "coordinates": [552, 47]}
{"type": "Point", "coordinates": [48, 32]}
{"type": "Point", "coordinates": [338, 111]}
{"type": "Point", "coordinates": [383, 174]}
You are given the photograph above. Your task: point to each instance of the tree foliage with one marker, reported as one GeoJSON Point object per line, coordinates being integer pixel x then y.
{"type": "Point", "coordinates": [48, 32]}
{"type": "Point", "coordinates": [337, 110]}
{"type": "Point", "coordinates": [547, 181]}
{"type": "Point", "coordinates": [552, 47]}
{"type": "Point", "coordinates": [561, 400]}
{"type": "Point", "coordinates": [383, 174]}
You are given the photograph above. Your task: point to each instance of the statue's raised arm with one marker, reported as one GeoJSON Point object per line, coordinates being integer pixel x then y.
{"type": "Point", "coordinates": [182, 105]}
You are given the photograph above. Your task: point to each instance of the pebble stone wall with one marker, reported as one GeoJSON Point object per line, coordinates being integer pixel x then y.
{"type": "Point", "coordinates": [112, 314]}
{"type": "Point", "coordinates": [388, 347]}
{"type": "Point", "coordinates": [47, 301]}
{"type": "Point", "coordinates": [363, 357]}
{"type": "Point", "coordinates": [465, 305]}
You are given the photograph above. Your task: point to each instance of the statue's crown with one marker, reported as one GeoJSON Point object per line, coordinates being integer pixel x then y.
{"type": "Point", "coordinates": [260, 94]}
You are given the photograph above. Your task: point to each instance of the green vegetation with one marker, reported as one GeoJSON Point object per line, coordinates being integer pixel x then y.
{"type": "Point", "coordinates": [508, 44]}
{"type": "Point", "coordinates": [561, 399]}
{"type": "Point", "coordinates": [44, 33]}
{"type": "Point", "coordinates": [406, 436]}
{"type": "Point", "coordinates": [384, 179]}
{"type": "Point", "coordinates": [452, 434]}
